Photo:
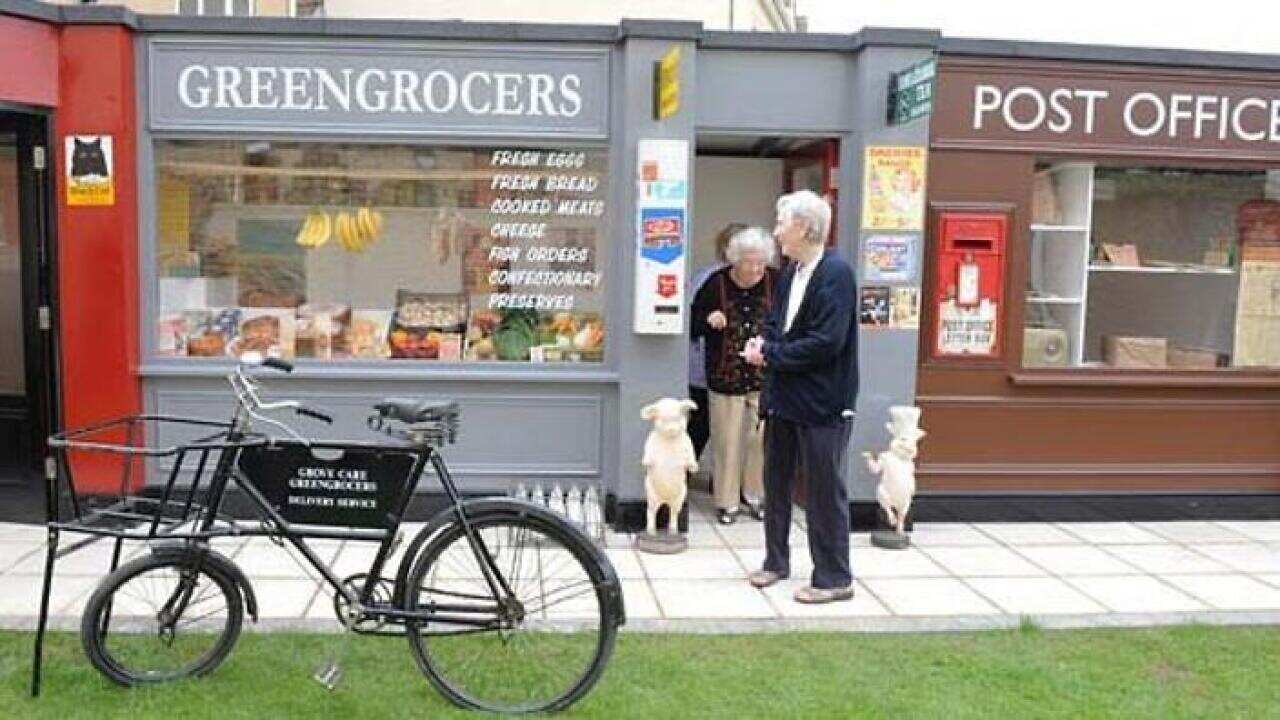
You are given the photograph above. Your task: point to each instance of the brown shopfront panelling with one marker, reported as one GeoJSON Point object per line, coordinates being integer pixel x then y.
{"type": "Point", "coordinates": [996, 428]}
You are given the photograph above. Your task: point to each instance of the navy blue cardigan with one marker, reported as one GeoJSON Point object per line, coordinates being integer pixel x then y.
{"type": "Point", "coordinates": [811, 371]}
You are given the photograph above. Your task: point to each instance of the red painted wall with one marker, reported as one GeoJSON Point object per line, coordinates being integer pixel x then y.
{"type": "Point", "coordinates": [98, 246]}
{"type": "Point", "coordinates": [29, 58]}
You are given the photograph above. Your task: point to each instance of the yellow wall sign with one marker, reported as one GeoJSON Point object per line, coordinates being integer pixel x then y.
{"type": "Point", "coordinates": [893, 188]}
{"type": "Point", "coordinates": [666, 84]}
{"type": "Point", "coordinates": [90, 170]}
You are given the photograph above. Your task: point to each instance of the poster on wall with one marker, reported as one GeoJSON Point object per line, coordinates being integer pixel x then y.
{"type": "Point", "coordinates": [889, 258]}
{"type": "Point", "coordinates": [967, 331]}
{"type": "Point", "coordinates": [90, 170]}
{"type": "Point", "coordinates": [661, 235]}
{"type": "Point", "coordinates": [893, 188]}
{"type": "Point", "coordinates": [904, 308]}
{"type": "Point", "coordinates": [873, 307]}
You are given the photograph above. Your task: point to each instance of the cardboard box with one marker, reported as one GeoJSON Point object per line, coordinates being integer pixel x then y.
{"type": "Point", "coordinates": [1193, 358]}
{"type": "Point", "coordinates": [1135, 352]}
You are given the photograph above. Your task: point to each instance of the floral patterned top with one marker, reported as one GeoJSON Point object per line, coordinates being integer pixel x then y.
{"type": "Point", "coordinates": [744, 309]}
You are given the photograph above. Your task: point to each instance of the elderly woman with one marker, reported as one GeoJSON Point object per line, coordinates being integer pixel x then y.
{"type": "Point", "coordinates": [728, 310]}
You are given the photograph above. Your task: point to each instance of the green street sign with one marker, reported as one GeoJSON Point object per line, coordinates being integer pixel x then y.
{"type": "Point", "coordinates": [911, 92]}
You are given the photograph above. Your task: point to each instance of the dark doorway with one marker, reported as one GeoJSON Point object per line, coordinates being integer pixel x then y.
{"type": "Point", "coordinates": [28, 409]}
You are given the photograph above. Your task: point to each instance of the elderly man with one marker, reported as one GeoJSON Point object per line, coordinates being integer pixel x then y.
{"type": "Point", "coordinates": [808, 350]}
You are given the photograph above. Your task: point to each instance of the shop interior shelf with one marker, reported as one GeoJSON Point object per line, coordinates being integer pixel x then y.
{"type": "Point", "coordinates": [1163, 270]}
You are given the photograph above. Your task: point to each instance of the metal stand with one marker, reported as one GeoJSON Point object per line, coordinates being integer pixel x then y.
{"type": "Point", "coordinates": [44, 611]}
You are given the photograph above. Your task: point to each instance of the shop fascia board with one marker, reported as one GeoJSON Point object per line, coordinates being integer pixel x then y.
{"type": "Point", "coordinates": [1116, 54]}
{"type": "Point", "coordinates": [867, 37]}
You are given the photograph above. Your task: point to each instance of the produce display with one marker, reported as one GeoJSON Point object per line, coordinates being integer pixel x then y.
{"type": "Point", "coordinates": [422, 323]}
{"type": "Point", "coordinates": [527, 335]}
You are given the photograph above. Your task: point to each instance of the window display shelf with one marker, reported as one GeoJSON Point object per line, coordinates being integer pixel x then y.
{"type": "Point", "coordinates": [1164, 270]}
{"type": "Point", "coordinates": [1055, 300]}
{"type": "Point", "coordinates": [1036, 228]}
{"type": "Point", "coordinates": [194, 168]}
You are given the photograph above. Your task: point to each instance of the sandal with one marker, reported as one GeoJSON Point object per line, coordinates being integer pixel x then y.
{"type": "Point", "coordinates": [755, 510]}
{"type": "Point", "coordinates": [727, 517]}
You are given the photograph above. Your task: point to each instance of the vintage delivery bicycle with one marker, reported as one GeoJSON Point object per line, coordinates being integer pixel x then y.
{"type": "Point", "coordinates": [507, 607]}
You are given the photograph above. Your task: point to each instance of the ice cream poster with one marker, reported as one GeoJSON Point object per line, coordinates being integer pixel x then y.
{"type": "Point", "coordinates": [889, 258]}
{"type": "Point", "coordinates": [893, 188]}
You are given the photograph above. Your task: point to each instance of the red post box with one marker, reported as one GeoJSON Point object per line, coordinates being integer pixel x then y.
{"type": "Point", "coordinates": [968, 287]}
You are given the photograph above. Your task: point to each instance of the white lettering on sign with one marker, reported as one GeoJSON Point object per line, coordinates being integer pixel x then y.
{"type": "Point", "coordinates": [377, 90]}
{"type": "Point", "coordinates": [1146, 114]}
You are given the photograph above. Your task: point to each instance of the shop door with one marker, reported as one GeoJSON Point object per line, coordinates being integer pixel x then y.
{"type": "Point", "coordinates": [26, 368]}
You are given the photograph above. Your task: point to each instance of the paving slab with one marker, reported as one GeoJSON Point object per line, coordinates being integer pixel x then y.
{"type": "Point", "coordinates": [1135, 594]}
{"type": "Point", "coordinates": [1111, 533]}
{"type": "Point", "coordinates": [693, 564]}
{"type": "Point", "coordinates": [1066, 560]}
{"type": "Point", "coordinates": [1267, 531]}
{"type": "Point", "coordinates": [1034, 596]}
{"type": "Point", "coordinates": [928, 596]}
{"type": "Point", "coordinates": [716, 599]}
{"type": "Point", "coordinates": [947, 534]}
{"type": "Point", "coordinates": [1166, 559]}
{"type": "Point", "coordinates": [1250, 557]}
{"type": "Point", "coordinates": [1026, 533]}
{"type": "Point", "coordinates": [1228, 592]}
{"type": "Point", "coordinates": [992, 561]}
{"type": "Point", "coordinates": [1195, 532]}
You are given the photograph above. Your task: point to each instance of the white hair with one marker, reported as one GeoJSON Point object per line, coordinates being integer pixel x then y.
{"type": "Point", "coordinates": [752, 239]}
{"type": "Point", "coordinates": [810, 207]}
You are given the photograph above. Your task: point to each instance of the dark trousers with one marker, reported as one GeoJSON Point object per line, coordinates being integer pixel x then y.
{"type": "Point", "coordinates": [820, 451]}
{"type": "Point", "coordinates": [699, 420]}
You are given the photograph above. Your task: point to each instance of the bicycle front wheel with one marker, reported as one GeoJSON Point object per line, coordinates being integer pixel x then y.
{"type": "Point", "coordinates": [159, 618]}
{"type": "Point", "coordinates": [548, 644]}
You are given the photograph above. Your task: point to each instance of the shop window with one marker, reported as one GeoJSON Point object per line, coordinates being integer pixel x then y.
{"type": "Point", "coordinates": [359, 253]}
{"type": "Point", "coordinates": [1153, 268]}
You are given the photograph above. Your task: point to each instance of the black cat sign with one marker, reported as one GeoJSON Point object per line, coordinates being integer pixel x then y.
{"type": "Point", "coordinates": [90, 165]}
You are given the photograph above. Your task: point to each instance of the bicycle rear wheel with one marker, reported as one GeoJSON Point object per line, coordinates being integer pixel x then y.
{"type": "Point", "coordinates": [554, 642]}
{"type": "Point", "coordinates": [158, 619]}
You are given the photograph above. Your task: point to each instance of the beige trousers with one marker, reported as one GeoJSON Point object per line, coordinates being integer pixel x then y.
{"type": "Point", "coordinates": [738, 440]}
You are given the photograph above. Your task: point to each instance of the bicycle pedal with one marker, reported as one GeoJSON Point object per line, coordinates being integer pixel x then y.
{"type": "Point", "coordinates": [329, 675]}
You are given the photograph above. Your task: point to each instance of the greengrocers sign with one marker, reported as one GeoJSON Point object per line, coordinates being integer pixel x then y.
{"type": "Point", "coordinates": [378, 88]}
{"type": "Point", "coordinates": [1118, 109]}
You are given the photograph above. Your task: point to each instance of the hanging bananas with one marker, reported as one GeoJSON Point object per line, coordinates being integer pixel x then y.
{"type": "Point", "coordinates": [355, 231]}
{"type": "Point", "coordinates": [315, 231]}
{"type": "Point", "coordinates": [358, 231]}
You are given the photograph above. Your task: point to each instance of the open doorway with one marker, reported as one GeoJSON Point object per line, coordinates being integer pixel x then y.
{"type": "Point", "coordinates": [737, 179]}
{"type": "Point", "coordinates": [26, 367]}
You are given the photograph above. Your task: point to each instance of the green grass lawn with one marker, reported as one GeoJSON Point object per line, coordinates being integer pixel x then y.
{"type": "Point", "coordinates": [1182, 672]}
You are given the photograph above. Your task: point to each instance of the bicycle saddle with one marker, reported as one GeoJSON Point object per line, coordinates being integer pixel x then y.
{"type": "Point", "coordinates": [416, 410]}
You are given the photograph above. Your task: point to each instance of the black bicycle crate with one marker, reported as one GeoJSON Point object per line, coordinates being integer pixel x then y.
{"type": "Point", "coordinates": [331, 484]}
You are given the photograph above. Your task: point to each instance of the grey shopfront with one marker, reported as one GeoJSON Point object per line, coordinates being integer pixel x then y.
{"type": "Point", "coordinates": [502, 165]}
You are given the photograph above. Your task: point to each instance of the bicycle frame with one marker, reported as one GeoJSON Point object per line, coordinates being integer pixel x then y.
{"type": "Point", "coordinates": [276, 526]}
